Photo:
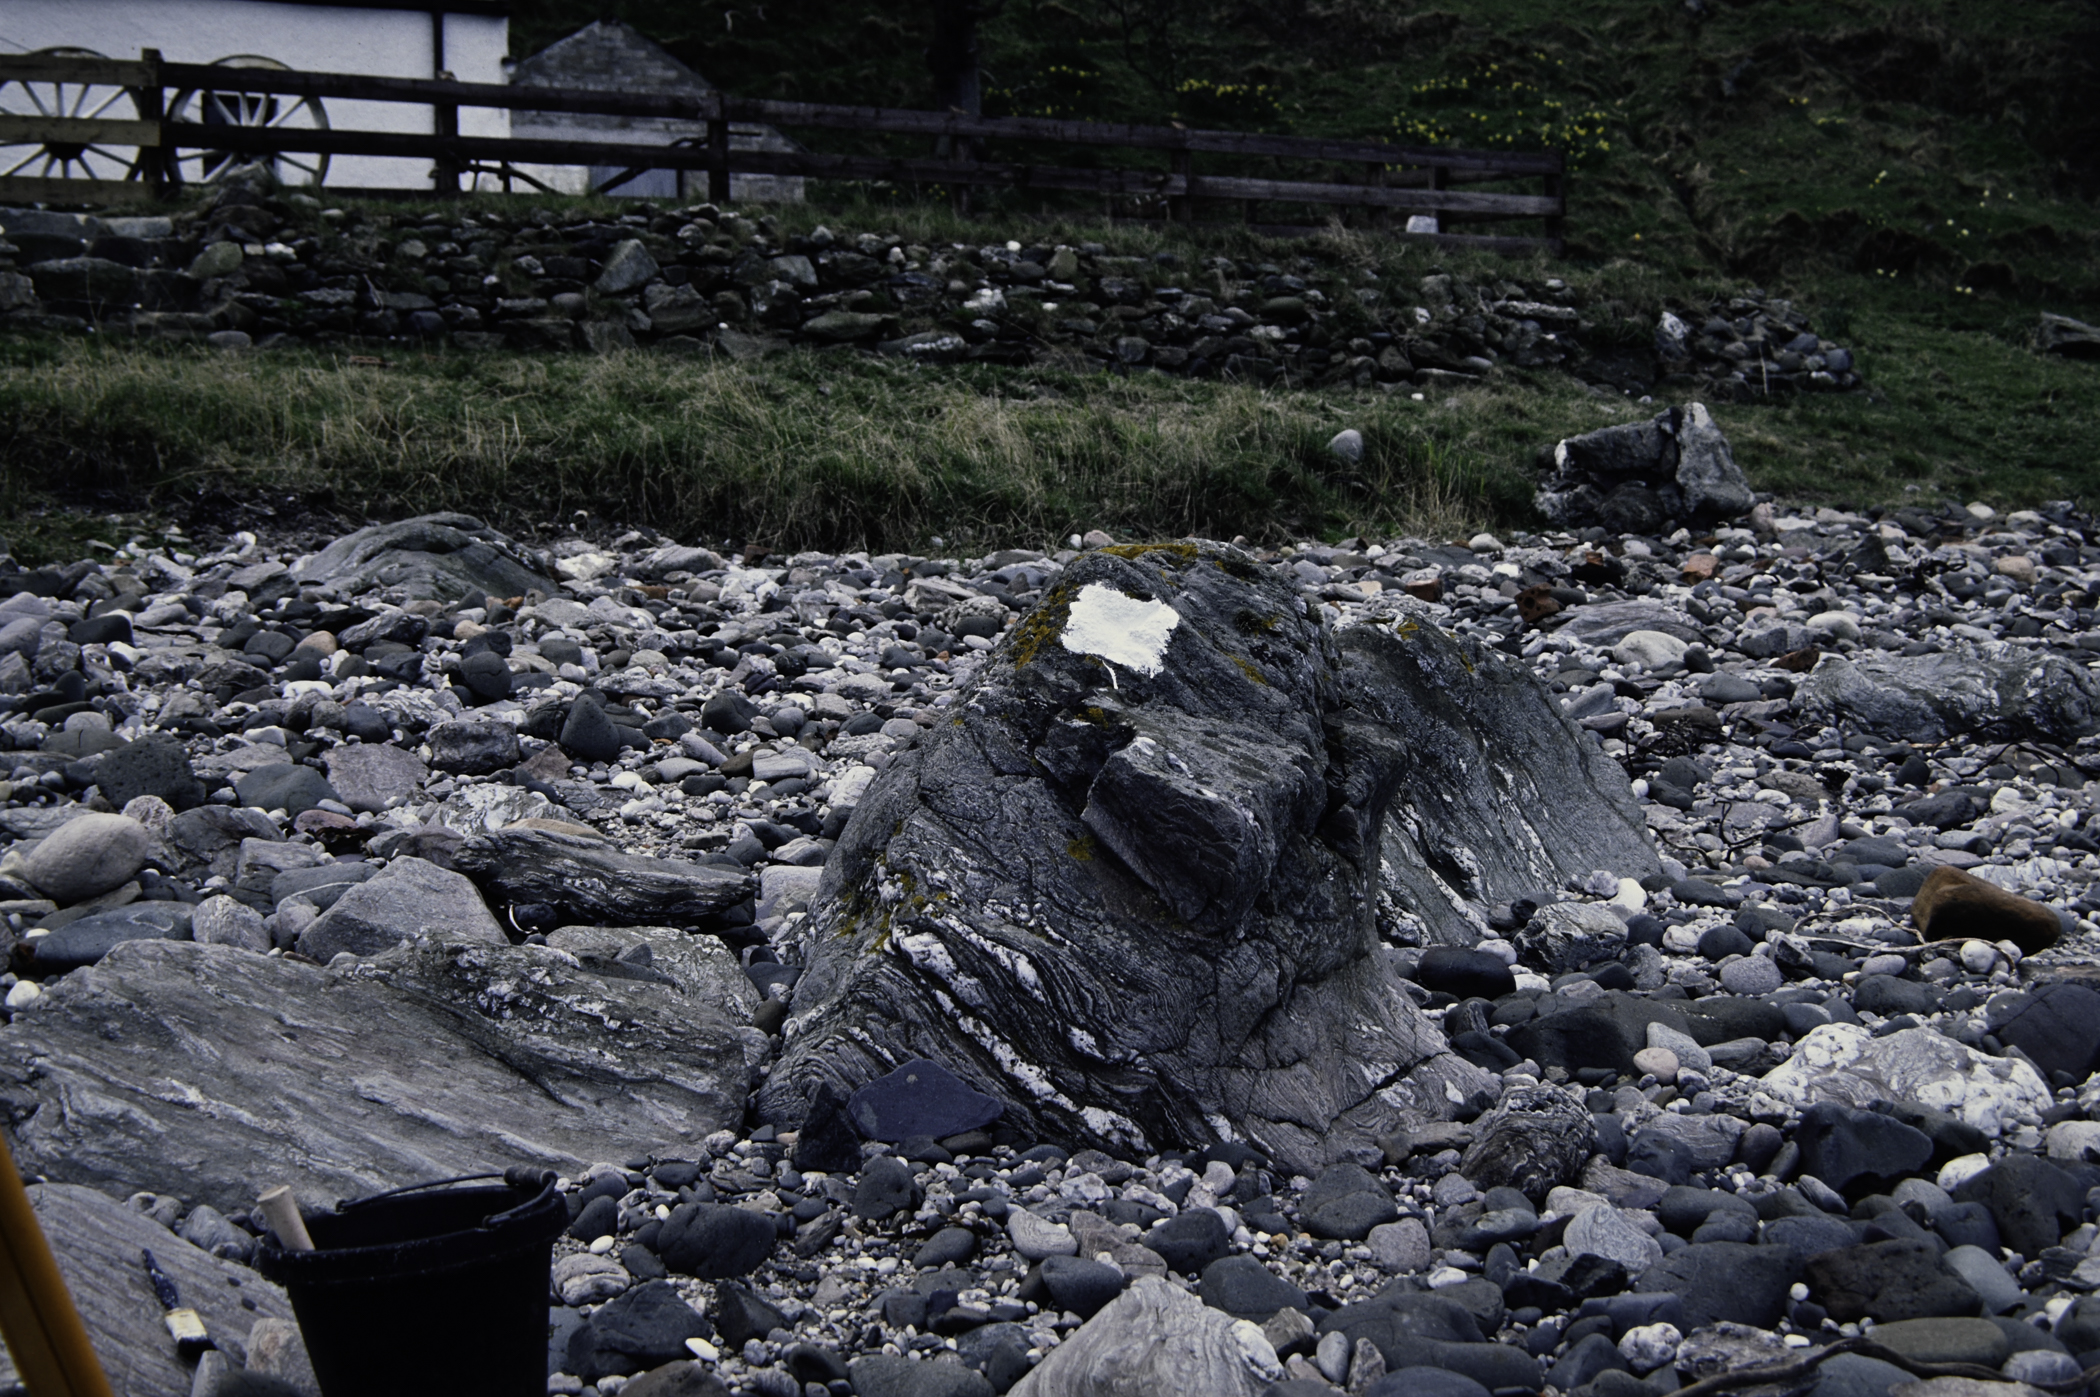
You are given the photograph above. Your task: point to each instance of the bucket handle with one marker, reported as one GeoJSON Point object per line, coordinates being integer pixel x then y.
{"type": "Point", "coordinates": [517, 1176]}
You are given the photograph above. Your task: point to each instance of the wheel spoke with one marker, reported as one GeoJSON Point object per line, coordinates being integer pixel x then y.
{"type": "Point", "coordinates": [18, 164]}
{"type": "Point", "coordinates": [108, 102]}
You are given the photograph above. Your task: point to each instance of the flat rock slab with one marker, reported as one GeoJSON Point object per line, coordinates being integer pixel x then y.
{"type": "Point", "coordinates": [434, 557]}
{"type": "Point", "coordinates": [595, 881]}
{"type": "Point", "coordinates": [97, 1241]}
{"type": "Point", "coordinates": [198, 1070]}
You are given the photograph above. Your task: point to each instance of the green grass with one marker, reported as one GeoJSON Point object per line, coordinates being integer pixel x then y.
{"type": "Point", "coordinates": [808, 450]}
{"type": "Point", "coordinates": [836, 450]}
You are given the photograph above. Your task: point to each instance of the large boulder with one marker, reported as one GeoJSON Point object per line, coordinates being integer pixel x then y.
{"type": "Point", "coordinates": [1135, 887]}
{"type": "Point", "coordinates": [1994, 690]}
{"type": "Point", "coordinates": [434, 557]}
{"type": "Point", "coordinates": [1847, 1064]}
{"type": "Point", "coordinates": [1637, 477]}
{"type": "Point", "coordinates": [198, 1070]}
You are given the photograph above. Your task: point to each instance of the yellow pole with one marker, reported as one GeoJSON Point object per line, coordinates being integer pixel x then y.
{"type": "Point", "coordinates": [43, 1331]}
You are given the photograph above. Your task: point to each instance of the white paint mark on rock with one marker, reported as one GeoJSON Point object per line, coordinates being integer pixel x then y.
{"type": "Point", "coordinates": [1120, 628]}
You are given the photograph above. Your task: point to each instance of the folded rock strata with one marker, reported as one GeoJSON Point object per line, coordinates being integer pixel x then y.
{"type": "Point", "coordinates": [1135, 886]}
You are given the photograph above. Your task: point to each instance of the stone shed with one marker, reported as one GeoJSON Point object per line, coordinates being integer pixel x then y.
{"type": "Point", "coordinates": [612, 55]}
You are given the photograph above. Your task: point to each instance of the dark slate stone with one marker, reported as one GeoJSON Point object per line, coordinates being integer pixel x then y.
{"type": "Point", "coordinates": [486, 675]}
{"type": "Point", "coordinates": [634, 1332]}
{"type": "Point", "coordinates": [1844, 1146]}
{"type": "Point", "coordinates": [1345, 1203]}
{"type": "Point", "coordinates": [828, 1142]}
{"type": "Point", "coordinates": [713, 1242]}
{"type": "Point", "coordinates": [998, 1351]}
{"type": "Point", "coordinates": [1080, 1284]}
{"type": "Point", "coordinates": [740, 1315]}
{"type": "Point", "coordinates": [1855, 1375]}
{"type": "Point", "coordinates": [587, 734]}
{"type": "Point", "coordinates": [2033, 1202]}
{"type": "Point", "coordinates": [1683, 1209]}
{"type": "Point", "coordinates": [1584, 1360]}
{"type": "Point", "coordinates": [1721, 941]}
{"type": "Point", "coordinates": [155, 765]}
{"type": "Point", "coordinates": [1810, 1236]}
{"type": "Point", "coordinates": [920, 1098]}
{"type": "Point", "coordinates": [1660, 1156]}
{"type": "Point", "coordinates": [1887, 1282]}
{"type": "Point", "coordinates": [946, 1247]}
{"type": "Point", "coordinates": [728, 712]}
{"type": "Point", "coordinates": [887, 1186]}
{"type": "Point", "coordinates": [1465, 973]}
{"type": "Point", "coordinates": [600, 1218]}
{"type": "Point", "coordinates": [2058, 1026]}
{"type": "Point", "coordinates": [1724, 1018]}
{"type": "Point", "coordinates": [1888, 996]}
{"type": "Point", "coordinates": [1191, 1240]}
{"type": "Point", "coordinates": [1967, 1225]}
{"type": "Point", "coordinates": [92, 937]}
{"type": "Point", "coordinates": [287, 786]}
{"type": "Point", "coordinates": [1420, 1382]}
{"type": "Point", "coordinates": [894, 1375]}
{"type": "Point", "coordinates": [1244, 1288]}
{"type": "Point", "coordinates": [1717, 1281]}
{"type": "Point", "coordinates": [1585, 1036]}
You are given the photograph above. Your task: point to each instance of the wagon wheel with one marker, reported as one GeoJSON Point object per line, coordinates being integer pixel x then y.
{"type": "Point", "coordinates": [234, 108]}
{"type": "Point", "coordinates": [65, 159]}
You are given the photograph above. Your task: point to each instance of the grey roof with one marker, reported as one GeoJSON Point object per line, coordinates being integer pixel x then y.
{"type": "Point", "coordinates": [607, 53]}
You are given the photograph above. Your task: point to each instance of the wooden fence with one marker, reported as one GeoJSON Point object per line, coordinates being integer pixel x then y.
{"type": "Point", "coordinates": [1387, 182]}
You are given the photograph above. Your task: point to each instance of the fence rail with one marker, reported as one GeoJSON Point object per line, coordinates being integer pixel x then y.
{"type": "Point", "coordinates": [1389, 179]}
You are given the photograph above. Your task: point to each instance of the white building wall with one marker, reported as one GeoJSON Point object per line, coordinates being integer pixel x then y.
{"type": "Point", "coordinates": [316, 38]}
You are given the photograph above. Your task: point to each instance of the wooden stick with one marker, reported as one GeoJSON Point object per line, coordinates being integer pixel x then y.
{"type": "Point", "coordinates": [282, 1210]}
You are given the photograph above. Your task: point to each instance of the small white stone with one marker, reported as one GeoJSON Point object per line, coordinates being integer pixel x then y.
{"type": "Point", "coordinates": [702, 1350]}
{"type": "Point", "coordinates": [1444, 1277]}
{"type": "Point", "coordinates": [1646, 1347]}
{"type": "Point", "coordinates": [1977, 957]}
{"type": "Point", "coordinates": [1956, 1172]}
{"type": "Point", "coordinates": [23, 994]}
{"type": "Point", "coordinates": [601, 1245]}
{"type": "Point", "coordinates": [1661, 1063]}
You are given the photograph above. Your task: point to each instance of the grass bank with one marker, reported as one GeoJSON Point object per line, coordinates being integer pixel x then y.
{"type": "Point", "coordinates": [837, 450]}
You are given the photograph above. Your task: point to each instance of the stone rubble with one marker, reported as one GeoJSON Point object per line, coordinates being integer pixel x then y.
{"type": "Point", "coordinates": [1780, 1106]}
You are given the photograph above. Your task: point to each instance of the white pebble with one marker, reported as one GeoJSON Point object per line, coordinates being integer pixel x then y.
{"type": "Point", "coordinates": [601, 1246]}
{"type": "Point", "coordinates": [1977, 957]}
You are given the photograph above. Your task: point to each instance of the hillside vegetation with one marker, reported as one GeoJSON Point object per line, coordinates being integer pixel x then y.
{"type": "Point", "coordinates": [1920, 179]}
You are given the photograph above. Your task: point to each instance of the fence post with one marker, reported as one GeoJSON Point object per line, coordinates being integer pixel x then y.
{"type": "Point", "coordinates": [718, 153]}
{"type": "Point", "coordinates": [1557, 190]}
{"type": "Point", "coordinates": [445, 121]}
{"type": "Point", "coordinates": [1374, 178]}
{"type": "Point", "coordinates": [155, 161]}
{"type": "Point", "coordinates": [1440, 178]}
{"type": "Point", "coordinates": [1182, 208]}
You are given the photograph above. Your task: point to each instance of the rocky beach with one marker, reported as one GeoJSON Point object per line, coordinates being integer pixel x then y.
{"type": "Point", "coordinates": [1599, 960]}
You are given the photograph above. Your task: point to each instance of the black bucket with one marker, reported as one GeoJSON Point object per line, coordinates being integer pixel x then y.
{"type": "Point", "coordinates": [419, 1291]}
